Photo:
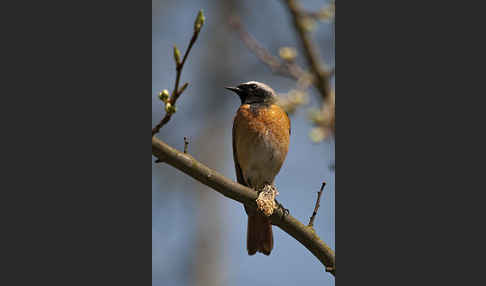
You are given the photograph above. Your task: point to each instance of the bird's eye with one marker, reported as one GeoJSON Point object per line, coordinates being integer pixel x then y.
{"type": "Point", "coordinates": [253, 86]}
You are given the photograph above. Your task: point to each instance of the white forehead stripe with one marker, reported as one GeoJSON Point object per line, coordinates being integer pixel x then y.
{"type": "Point", "coordinates": [254, 82]}
{"type": "Point", "coordinates": [260, 84]}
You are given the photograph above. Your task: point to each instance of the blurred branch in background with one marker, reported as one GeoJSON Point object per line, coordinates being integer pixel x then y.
{"type": "Point", "coordinates": [319, 75]}
{"type": "Point", "coordinates": [326, 13]}
{"type": "Point", "coordinates": [300, 19]}
{"type": "Point", "coordinates": [208, 268]}
{"type": "Point", "coordinates": [324, 118]}
{"type": "Point", "coordinates": [284, 68]}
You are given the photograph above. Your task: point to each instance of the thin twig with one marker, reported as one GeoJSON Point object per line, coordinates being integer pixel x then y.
{"type": "Point", "coordinates": [176, 92]}
{"type": "Point", "coordinates": [186, 143]}
{"type": "Point", "coordinates": [316, 208]}
{"type": "Point", "coordinates": [195, 169]}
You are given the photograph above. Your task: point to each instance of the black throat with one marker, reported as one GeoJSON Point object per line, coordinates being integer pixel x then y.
{"type": "Point", "coordinates": [256, 106]}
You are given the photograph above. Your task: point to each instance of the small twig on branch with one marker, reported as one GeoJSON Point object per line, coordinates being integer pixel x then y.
{"type": "Point", "coordinates": [176, 92]}
{"type": "Point", "coordinates": [186, 143]}
{"type": "Point", "coordinates": [316, 208]}
{"type": "Point", "coordinates": [195, 169]}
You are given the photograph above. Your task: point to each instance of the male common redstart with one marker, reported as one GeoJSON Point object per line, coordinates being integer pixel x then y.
{"type": "Point", "coordinates": [261, 132]}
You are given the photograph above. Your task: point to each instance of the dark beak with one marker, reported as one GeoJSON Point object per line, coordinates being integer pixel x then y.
{"type": "Point", "coordinates": [234, 89]}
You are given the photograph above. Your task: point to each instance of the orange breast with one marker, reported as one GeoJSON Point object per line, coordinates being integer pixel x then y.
{"type": "Point", "coordinates": [274, 119]}
{"type": "Point", "coordinates": [261, 140]}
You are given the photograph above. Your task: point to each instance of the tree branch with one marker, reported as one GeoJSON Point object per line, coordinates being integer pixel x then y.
{"type": "Point", "coordinates": [190, 166]}
{"type": "Point", "coordinates": [176, 92]}
{"type": "Point", "coordinates": [310, 51]}
{"type": "Point", "coordinates": [326, 13]}
{"type": "Point", "coordinates": [283, 68]}
{"type": "Point", "coordinates": [318, 75]}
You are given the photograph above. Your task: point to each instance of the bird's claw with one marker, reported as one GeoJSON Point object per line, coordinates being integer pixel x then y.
{"type": "Point", "coordinates": [285, 211]}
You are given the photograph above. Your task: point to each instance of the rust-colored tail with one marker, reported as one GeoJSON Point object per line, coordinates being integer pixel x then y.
{"type": "Point", "coordinates": [259, 237]}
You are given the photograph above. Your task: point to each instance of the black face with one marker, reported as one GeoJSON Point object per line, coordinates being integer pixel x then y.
{"type": "Point", "coordinates": [253, 92]}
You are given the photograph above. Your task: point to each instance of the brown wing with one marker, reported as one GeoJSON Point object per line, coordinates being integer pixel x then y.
{"type": "Point", "coordinates": [288, 119]}
{"type": "Point", "coordinates": [239, 174]}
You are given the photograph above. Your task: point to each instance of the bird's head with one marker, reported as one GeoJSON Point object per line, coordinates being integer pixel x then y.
{"type": "Point", "coordinates": [254, 92]}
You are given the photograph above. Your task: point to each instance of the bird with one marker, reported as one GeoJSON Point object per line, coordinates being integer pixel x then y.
{"type": "Point", "coordinates": [261, 135]}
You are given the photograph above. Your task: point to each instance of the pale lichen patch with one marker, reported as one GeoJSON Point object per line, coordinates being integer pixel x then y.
{"type": "Point", "coordinates": [266, 200]}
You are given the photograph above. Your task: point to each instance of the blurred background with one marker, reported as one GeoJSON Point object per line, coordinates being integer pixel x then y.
{"type": "Point", "coordinates": [198, 235]}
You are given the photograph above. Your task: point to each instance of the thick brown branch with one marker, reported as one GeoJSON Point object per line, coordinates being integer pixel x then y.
{"type": "Point", "coordinates": [190, 166]}
{"type": "Point", "coordinates": [316, 208]}
{"type": "Point", "coordinates": [310, 51]}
